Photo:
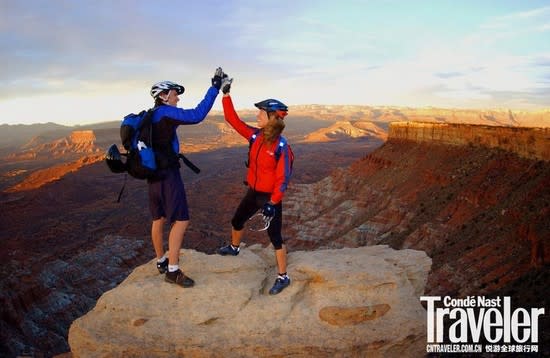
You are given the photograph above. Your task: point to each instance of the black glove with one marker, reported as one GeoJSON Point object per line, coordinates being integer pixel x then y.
{"type": "Point", "coordinates": [226, 83]}
{"type": "Point", "coordinates": [268, 210]}
{"type": "Point", "coordinates": [217, 79]}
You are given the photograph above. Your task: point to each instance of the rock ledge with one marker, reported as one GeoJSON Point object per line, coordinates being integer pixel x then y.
{"type": "Point", "coordinates": [340, 303]}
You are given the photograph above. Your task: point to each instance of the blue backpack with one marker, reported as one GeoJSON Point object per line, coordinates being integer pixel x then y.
{"type": "Point", "coordinates": [136, 133]}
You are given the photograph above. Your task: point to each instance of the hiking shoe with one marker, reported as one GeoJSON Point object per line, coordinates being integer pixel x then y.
{"type": "Point", "coordinates": [279, 285]}
{"type": "Point", "coordinates": [179, 278]}
{"type": "Point", "coordinates": [229, 250]}
{"type": "Point", "coordinates": [162, 266]}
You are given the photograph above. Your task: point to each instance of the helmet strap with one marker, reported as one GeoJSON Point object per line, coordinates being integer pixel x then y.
{"type": "Point", "coordinates": [165, 97]}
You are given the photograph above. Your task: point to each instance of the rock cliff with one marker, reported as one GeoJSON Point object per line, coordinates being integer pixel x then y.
{"type": "Point", "coordinates": [492, 117]}
{"type": "Point", "coordinates": [533, 143]}
{"type": "Point", "coordinates": [479, 212]}
{"type": "Point", "coordinates": [341, 303]}
{"type": "Point", "coordinates": [346, 129]}
{"type": "Point", "coordinates": [73, 145]}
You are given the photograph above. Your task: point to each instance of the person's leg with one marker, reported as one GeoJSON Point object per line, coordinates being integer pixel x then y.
{"type": "Point", "coordinates": [247, 207]}
{"type": "Point", "coordinates": [174, 201]}
{"type": "Point", "coordinates": [175, 240]}
{"type": "Point", "coordinates": [157, 226]}
{"type": "Point", "coordinates": [177, 213]}
{"type": "Point", "coordinates": [157, 233]}
{"type": "Point", "coordinates": [283, 280]}
{"type": "Point", "coordinates": [236, 237]}
{"type": "Point", "coordinates": [274, 232]}
{"type": "Point", "coordinates": [280, 256]}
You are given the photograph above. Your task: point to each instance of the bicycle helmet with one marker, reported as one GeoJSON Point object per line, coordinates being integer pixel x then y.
{"type": "Point", "coordinates": [113, 159]}
{"type": "Point", "coordinates": [162, 86]}
{"type": "Point", "coordinates": [273, 105]}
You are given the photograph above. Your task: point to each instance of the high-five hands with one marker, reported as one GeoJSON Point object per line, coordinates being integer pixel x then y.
{"type": "Point", "coordinates": [226, 83]}
{"type": "Point", "coordinates": [221, 80]}
{"type": "Point", "coordinates": [217, 79]}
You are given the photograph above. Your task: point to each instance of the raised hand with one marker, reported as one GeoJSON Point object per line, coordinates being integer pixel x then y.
{"type": "Point", "coordinates": [217, 79]}
{"type": "Point", "coordinates": [226, 84]}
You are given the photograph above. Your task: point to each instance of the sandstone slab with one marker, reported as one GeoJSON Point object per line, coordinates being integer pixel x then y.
{"type": "Point", "coordinates": [345, 302]}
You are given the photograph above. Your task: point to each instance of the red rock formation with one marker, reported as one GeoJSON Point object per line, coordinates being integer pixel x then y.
{"type": "Point", "coordinates": [48, 175]}
{"type": "Point", "coordinates": [533, 143]}
{"type": "Point", "coordinates": [345, 129]}
{"type": "Point", "coordinates": [87, 137]}
{"type": "Point", "coordinates": [77, 143]}
{"type": "Point", "coordinates": [427, 189]}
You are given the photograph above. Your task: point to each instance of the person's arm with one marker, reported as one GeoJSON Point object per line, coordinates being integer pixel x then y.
{"type": "Point", "coordinates": [191, 116]}
{"type": "Point", "coordinates": [233, 119]}
{"type": "Point", "coordinates": [282, 176]}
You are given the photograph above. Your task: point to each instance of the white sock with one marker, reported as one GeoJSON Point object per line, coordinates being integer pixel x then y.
{"type": "Point", "coordinates": [162, 259]}
{"type": "Point", "coordinates": [173, 268]}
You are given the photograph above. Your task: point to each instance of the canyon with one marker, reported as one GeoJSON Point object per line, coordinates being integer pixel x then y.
{"type": "Point", "coordinates": [478, 206]}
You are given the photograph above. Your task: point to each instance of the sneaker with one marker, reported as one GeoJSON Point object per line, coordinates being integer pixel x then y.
{"type": "Point", "coordinates": [229, 250]}
{"type": "Point", "coordinates": [279, 285]}
{"type": "Point", "coordinates": [179, 278]}
{"type": "Point", "coordinates": [162, 266]}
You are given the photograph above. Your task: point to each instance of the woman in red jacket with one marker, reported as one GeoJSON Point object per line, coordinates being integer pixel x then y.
{"type": "Point", "coordinates": [269, 169]}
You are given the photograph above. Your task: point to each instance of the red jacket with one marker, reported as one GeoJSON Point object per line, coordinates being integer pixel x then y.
{"type": "Point", "coordinates": [265, 173]}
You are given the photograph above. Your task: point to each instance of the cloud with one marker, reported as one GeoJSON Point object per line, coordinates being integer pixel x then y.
{"type": "Point", "coordinates": [516, 25]}
{"type": "Point", "coordinates": [448, 74]}
{"type": "Point", "coordinates": [359, 52]}
{"type": "Point", "coordinates": [57, 46]}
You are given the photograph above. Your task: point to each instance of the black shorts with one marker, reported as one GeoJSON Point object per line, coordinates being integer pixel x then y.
{"type": "Point", "coordinates": [250, 204]}
{"type": "Point", "coordinates": [167, 197]}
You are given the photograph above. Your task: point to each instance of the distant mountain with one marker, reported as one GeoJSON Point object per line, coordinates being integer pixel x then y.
{"type": "Point", "coordinates": [499, 117]}
{"type": "Point", "coordinates": [45, 157]}
{"type": "Point", "coordinates": [13, 135]}
{"type": "Point", "coordinates": [40, 147]}
{"type": "Point", "coordinates": [28, 148]}
{"type": "Point", "coordinates": [101, 125]}
{"type": "Point", "coordinates": [345, 129]}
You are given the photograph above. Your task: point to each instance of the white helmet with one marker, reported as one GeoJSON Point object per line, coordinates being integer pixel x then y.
{"type": "Point", "coordinates": [162, 86]}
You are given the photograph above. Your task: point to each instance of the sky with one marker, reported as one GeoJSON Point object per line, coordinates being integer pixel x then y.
{"type": "Point", "coordinates": [81, 62]}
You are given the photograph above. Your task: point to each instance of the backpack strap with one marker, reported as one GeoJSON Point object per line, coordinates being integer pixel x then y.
{"type": "Point", "coordinates": [282, 143]}
{"type": "Point", "coordinates": [190, 164]}
{"type": "Point", "coordinates": [146, 128]}
{"type": "Point", "coordinates": [250, 142]}
{"type": "Point", "coordinates": [278, 151]}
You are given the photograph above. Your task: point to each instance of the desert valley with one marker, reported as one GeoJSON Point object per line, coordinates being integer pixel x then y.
{"type": "Point", "coordinates": [470, 188]}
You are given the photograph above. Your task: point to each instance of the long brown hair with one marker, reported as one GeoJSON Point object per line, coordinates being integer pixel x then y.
{"type": "Point", "coordinates": [273, 128]}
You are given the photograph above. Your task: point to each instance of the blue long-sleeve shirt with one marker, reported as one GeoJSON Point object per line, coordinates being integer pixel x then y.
{"type": "Point", "coordinates": [166, 120]}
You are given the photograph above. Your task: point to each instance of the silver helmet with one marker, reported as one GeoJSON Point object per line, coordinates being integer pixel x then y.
{"type": "Point", "coordinates": [162, 86]}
